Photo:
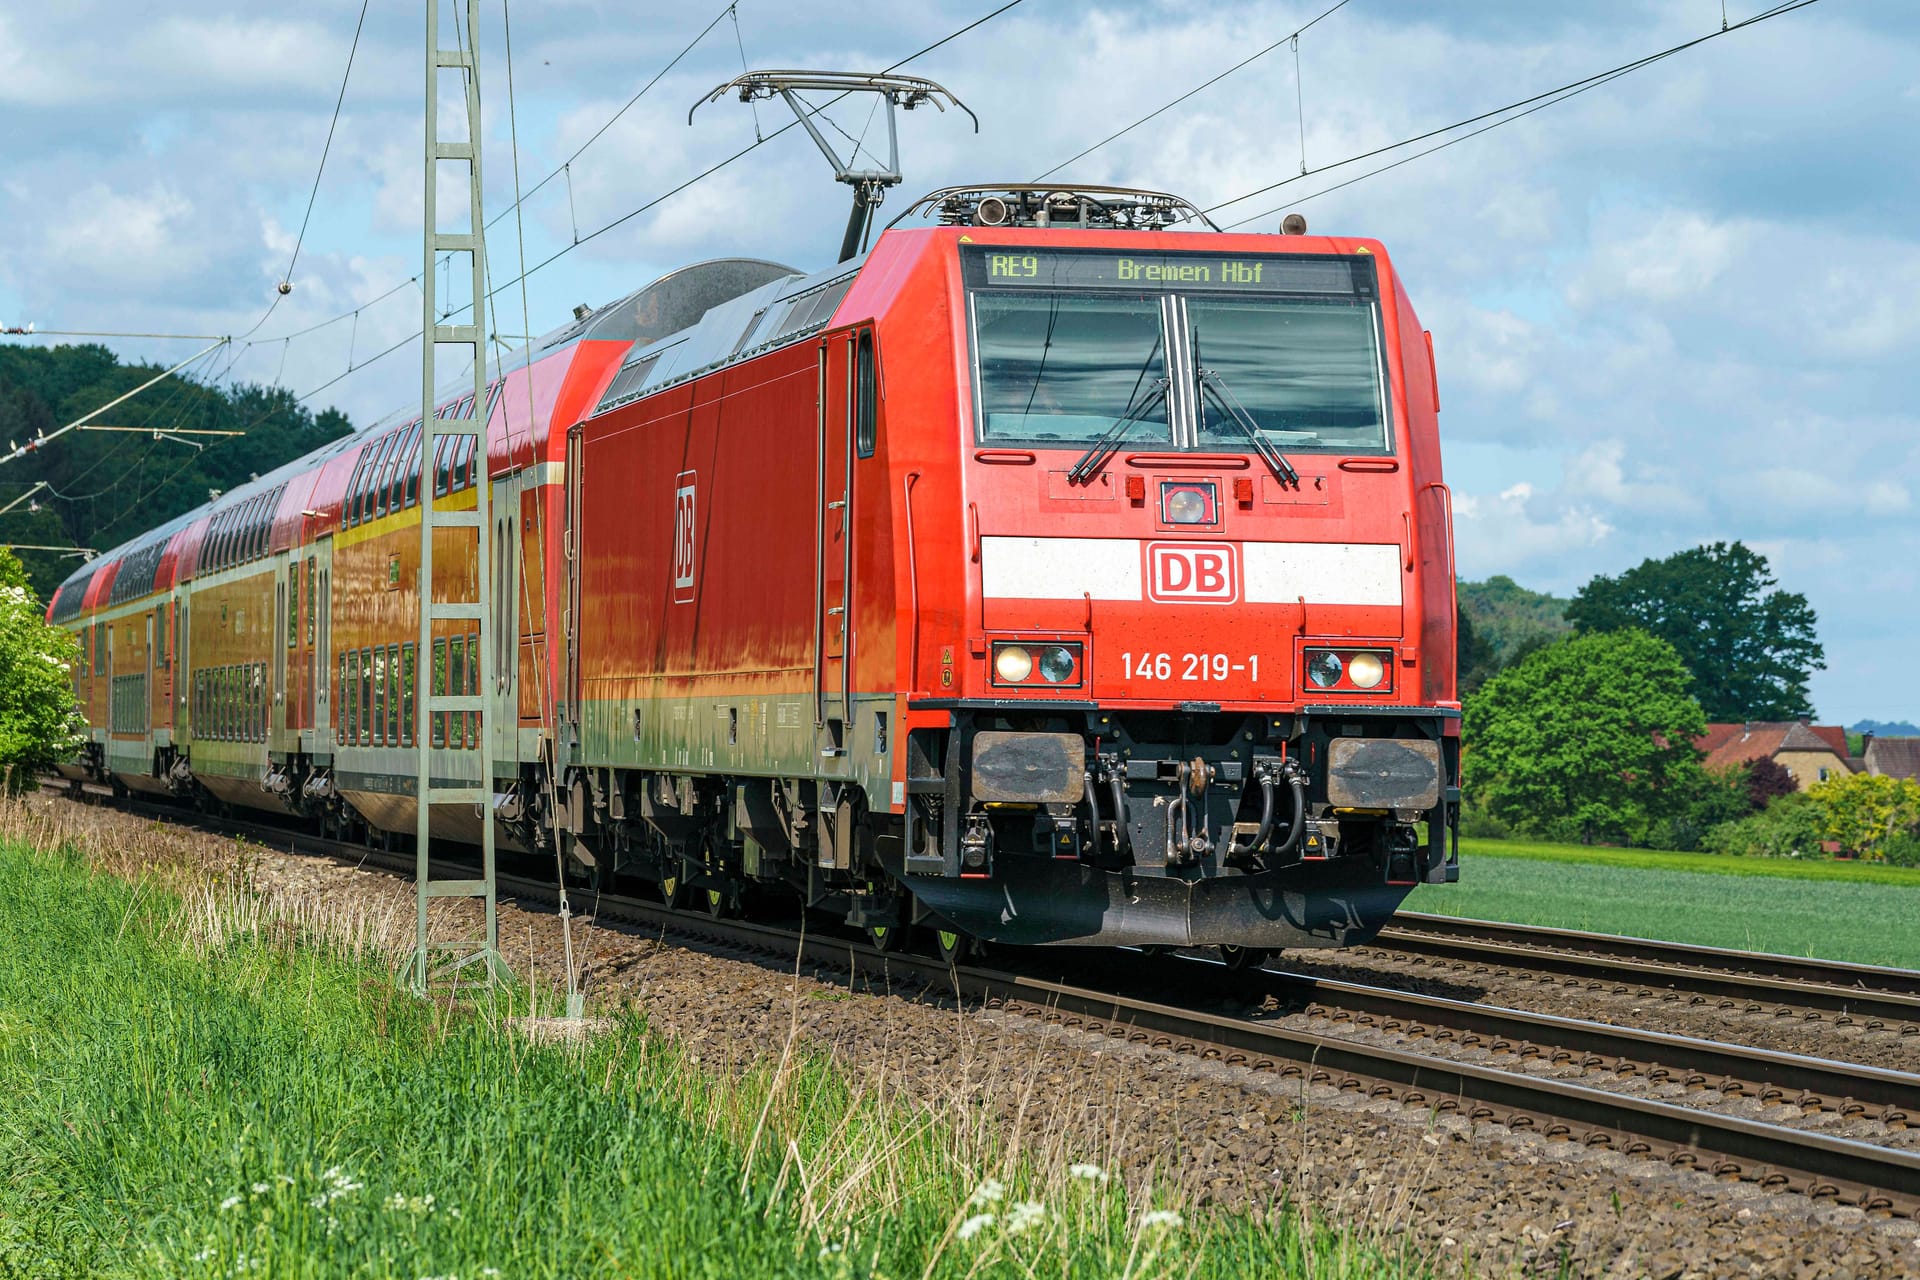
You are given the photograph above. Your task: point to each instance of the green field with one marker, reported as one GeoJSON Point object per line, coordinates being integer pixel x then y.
{"type": "Point", "coordinates": [188, 1100]}
{"type": "Point", "coordinates": [1865, 913]}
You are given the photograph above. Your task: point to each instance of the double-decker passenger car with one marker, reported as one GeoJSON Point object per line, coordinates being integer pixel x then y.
{"type": "Point", "coordinates": [1046, 574]}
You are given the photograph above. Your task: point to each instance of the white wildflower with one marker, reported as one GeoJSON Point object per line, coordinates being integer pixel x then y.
{"type": "Point", "coordinates": [1156, 1218]}
{"type": "Point", "coordinates": [974, 1226]}
{"type": "Point", "coordinates": [1091, 1172]}
{"type": "Point", "coordinates": [284, 1180]}
{"type": "Point", "coordinates": [203, 1255]}
{"type": "Point", "coordinates": [260, 1188]}
{"type": "Point", "coordinates": [419, 1206]}
{"type": "Point", "coordinates": [489, 1272]}
{"type": "Point", "coordinates": [231, 1202]}
{"type": "Point", "coordinates": [988, 1192]}
{"type": "Point", "coordinates": [1027, 1213]}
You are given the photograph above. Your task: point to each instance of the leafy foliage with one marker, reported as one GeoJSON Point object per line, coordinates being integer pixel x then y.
{"type": "Point", "coordinates": [1862, 811]}
{"type": "Point", "coordinates": [1589, 737]}
{"type": "Point", "coordinates": [1871, 817]}
{"type": "Point", "coordinates": [39, 718]}
{"type": "Point", "coordinates": [109, 486]}
{"type": "Point", "coordinates": [1790, 827]}
{"type": "Point", "coordinates": [1767, 781]}
{"type": "Point", "coordinates": [1500, 623]}
{"type": "Point", "coordinates": [1751, 647]}
{"type": "Point", "coordinates": [1701, 799]}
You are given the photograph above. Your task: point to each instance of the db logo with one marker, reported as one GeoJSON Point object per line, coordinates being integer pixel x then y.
{"type": "Point", "coordinates": [1193, 572]}
{"type": "Point", "coordinates": [683, 526]}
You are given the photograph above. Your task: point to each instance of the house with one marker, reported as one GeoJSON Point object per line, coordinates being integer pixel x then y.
{"type": "Point", "coordinates": [1810, 752]}
{"type": "Point", "coordinates": [1893, 757]}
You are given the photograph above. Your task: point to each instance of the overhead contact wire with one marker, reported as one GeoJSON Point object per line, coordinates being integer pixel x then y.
{"type": "Point", "coordinates": [1204, 85]}
{"type": "Point", "coordinates": [1612, 73]}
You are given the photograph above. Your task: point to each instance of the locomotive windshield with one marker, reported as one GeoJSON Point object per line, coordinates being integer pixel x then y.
{"type": "Point", "coordinates": [1070, 345]}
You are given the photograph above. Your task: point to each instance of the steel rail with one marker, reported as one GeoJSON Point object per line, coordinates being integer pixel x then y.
{"type": "Point", "coordinates": [1658, 965]}
{"type": "Point", "coordinates": [1880, 1179]}
{"type": "Point", "coordinates": [1839, 973]}
{"type": "Point", "coordinates": [1768, 1075]}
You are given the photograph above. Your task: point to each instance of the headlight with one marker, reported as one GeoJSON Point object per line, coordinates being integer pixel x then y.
{"type": "Point", "coordinates": [1365, 669]}
{"type": "Point", "coordinates": [1323, 668]}
{"type": "Point", "coordinates": [1056, 664]}
{"type": "Point", "coordinates": [1188, 502]}
{"type": "Point", "coordinates": [1013, 663]}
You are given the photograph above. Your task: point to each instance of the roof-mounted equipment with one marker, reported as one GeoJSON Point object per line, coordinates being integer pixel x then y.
{"type": "Point", "coordinates": [869, 185]}
{"type": "Point", "coordinates": [1032, 205]}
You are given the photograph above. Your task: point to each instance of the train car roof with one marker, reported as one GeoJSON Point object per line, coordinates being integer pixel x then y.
{"type": "Point", "coordinates": [659, 313]}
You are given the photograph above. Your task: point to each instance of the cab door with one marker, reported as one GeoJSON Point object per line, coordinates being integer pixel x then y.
{"type": "Point", "coordinates": [833, 547]}
{"type": "Point", "coordinates": [848, 401]}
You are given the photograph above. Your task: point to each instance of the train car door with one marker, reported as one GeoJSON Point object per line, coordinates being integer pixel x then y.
{"type": "Point", "coordinates": [183, 706]}
{"type": "Point", "coordinates": [319, 641]}
{"type": "Point", "coordinates": [280, 715]}
{"type": "Point", "coordinates": [568, 710]}
{"type": "Point", "coordinates": [506, 615]}
{"type": "Point", "coordinates": [147, 687]}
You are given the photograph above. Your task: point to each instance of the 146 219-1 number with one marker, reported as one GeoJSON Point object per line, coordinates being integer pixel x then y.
{"type": "Point", "coordinates": [1209, 667]}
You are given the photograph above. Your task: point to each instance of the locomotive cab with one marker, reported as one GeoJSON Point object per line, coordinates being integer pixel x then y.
{"type": "Point", "coordinates": [1200, 688]}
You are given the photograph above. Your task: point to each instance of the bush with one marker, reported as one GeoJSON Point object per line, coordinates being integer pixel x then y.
{"type": "Point", "coordinates": [1862, 811]}
{"type": "Point", "coordinates": [1478, 824]}
{"type": "Point", "coordinates": [1901, 849]}
{"type": "Point", "coordinates": [1696, 804]}
{"type": "Point", "coordinates": [1791, 827]}
{"type": "Point", "coordinates": [39, 718]}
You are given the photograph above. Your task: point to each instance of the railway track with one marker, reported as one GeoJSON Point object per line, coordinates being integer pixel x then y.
{"type": "Point", "coordinates": [1776, 1157]}
{"type": "Point", "coordinates": [1869, 994]}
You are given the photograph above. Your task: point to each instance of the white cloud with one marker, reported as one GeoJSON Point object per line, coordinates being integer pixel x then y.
{"type": "Point", "coordinates": [1516, 531]}
{"type": "Point", "coordinates": [124, 239]}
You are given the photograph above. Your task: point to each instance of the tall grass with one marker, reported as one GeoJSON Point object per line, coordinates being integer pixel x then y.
{"type": "Point", "coordinates": [213, 1079]}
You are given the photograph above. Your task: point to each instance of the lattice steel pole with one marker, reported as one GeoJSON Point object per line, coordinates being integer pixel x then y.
{"type": "Point", "coordinates": [461, 627]}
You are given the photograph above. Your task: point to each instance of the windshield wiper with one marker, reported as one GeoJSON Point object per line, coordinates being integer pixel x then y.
{"type": "Point", "coordinates": [1108, 444]}
{"type": "Point", "coordinates": [1215, 388]}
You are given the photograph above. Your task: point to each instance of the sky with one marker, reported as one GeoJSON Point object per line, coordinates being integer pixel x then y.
{"type": "Point", "coordinates": [1681, 307]}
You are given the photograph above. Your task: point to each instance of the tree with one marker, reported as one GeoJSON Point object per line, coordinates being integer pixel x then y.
{"type": "Point", "coordinates": [1591, 736]}
{"type": "Point", "coordinates": [1862, 811]}
{"type": "Point", "coordinates": [1767, 781]}
{"type": "Point", "coordinates": [1475, 659]}
{"type": "Point", "coordinates": [39, 718]}
{"type": "Point", "coordinates": [1750, 647]}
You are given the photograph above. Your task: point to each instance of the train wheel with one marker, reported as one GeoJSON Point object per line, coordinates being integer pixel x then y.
{"type": "Point", "coordinates": [952, 946]}
{"type": "Point", "coordinates": [1239, 958]}
{"type": "Point", "coordinates": [672, 892]}
{"type": "Point", "coordinates": [717, 903]}
{"type": "Point", "coordinates": [888, 937]}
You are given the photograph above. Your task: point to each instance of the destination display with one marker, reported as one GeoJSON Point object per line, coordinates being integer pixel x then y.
{"type": "Point", "coordinates": [999, 268]}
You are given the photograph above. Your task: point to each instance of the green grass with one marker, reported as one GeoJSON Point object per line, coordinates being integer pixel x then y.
{"type": "Point", "coordinates": [1833, 871]}
{"type": "Point", "coordinates": [273, 1107]}
{"type": "Point", "coordinates": [1838, 910]}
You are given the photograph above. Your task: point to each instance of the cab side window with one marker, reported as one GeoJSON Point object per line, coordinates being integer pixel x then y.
{"type": "Point", "coordinates": [866, 393]}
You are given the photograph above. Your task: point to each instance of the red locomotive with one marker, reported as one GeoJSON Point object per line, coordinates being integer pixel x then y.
{"type": "Point", "coordinates": [1044, 574]}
